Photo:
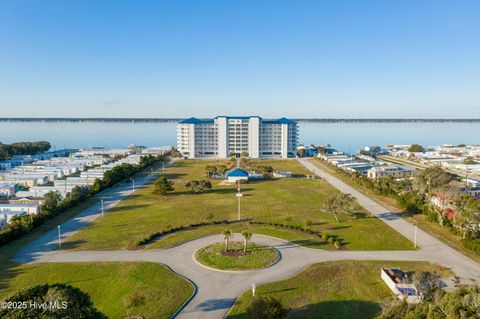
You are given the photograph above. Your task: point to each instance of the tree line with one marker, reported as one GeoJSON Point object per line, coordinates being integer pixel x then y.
{"type": "Point", "coordinates": [23, 148]}
{"type": "Point", "coordinates": [55, 205]}
{"type": "Point", "coordinates": [414, 197]}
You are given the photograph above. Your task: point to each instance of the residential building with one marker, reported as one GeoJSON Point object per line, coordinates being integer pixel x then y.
{"type": "Point", "coordinates": [396, 171]}
{"type": "Point", "coordinates": [38, 201]}
{"type": "Point", "coordinates": [400, 285]}
{"type": "Point", "coordinates": [27, 208]}
{"type": "Point", "coordinates": [26, 180]}
{"type": "Point", "coordinates": [224, 136]}
{"type": "Point", "coordinates": [7, 190]}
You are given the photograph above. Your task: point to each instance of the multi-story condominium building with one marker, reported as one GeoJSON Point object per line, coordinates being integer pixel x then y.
{"type": "Point", "coordinates": [225, 136]}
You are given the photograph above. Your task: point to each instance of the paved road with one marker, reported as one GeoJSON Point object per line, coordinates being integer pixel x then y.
{"type": "Point", "coordinates": [463, 266]}
{"type": "Point", "coordinates": [217, 290]}
{"type": "Point", "coordinates": [49, 241]}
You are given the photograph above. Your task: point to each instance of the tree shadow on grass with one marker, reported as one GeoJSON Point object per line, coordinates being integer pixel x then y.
{"type": "Point", "coordinates": [7, 275]}
{"type": "Point", "coordinates": [174, 175]}
{"type": "Point", "coordinates": [318, 223]}
{"type": "Point", "coordinates": [338, 227]}
{"type": "Point", "coordinates": [298, 176]}
{"type": "Point", "coordinates": [358, 215]}
{"type": "Point", "coordinates": [72, 244]}
{"type": "Point", "coordinates": [220, 191]}
{"type": "Point", "coordinates": [347, 309]}
{"type": "Point", "coordinates": [126, 207]}
{"type": "Point", "coordinates": [309, 243]}
{"type": "Point", "coordinates": [337, 310]}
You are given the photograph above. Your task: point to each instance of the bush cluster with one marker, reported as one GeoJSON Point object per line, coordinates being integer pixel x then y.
{"type": "Point", "coordinates": [322, 235]}
{"type": "Point", "coordinates": [158, 234]}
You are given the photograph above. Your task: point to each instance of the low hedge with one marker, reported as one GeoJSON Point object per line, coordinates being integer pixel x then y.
{"type": "Point", "coordinates": [159, 234]}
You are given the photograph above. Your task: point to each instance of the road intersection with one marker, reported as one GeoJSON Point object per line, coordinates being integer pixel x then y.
{"type": "Point", "coordinates": [217, 291]}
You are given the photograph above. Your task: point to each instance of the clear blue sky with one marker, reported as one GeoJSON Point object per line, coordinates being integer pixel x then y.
{"type": "Point", "coordinates": [271, 58]}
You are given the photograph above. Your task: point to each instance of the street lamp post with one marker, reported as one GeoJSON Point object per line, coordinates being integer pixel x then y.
{"type": "Point", "coordinates": [101, 201]}
{"type": "Point", "coordinates": [133, 185]}
{"type": "Point", "coordinates": [239, 195]}
{"type": "Point", "coordinates": [59, 238]}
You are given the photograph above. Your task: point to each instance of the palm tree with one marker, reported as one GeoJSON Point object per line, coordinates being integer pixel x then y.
{"type": "Point", "coordinates": [227, 233]}
{"type": "Point", "coordinates": [247, 234]}
{"type": "Point", "coordinates": [210, 170]}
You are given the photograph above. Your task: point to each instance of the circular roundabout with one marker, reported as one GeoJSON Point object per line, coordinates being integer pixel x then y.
{"type": "Point", "coordinates": [237, 256]}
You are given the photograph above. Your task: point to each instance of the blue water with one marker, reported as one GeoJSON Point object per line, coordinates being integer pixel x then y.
{"type": "Point", "coordinates": [343, 136]}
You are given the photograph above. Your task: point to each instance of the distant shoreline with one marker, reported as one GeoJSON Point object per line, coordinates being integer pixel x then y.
{"type": "Point", "coordinates": [174, 120]}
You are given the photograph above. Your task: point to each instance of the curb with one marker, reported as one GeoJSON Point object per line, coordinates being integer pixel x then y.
{"type": "Point", "coordinates": [186, 302]}
{"type": "Point", "coordinates": [279, 258]}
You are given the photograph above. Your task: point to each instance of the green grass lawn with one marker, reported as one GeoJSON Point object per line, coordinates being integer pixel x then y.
{"type": "Point", "coordinates": [256, 257]}
{"type": "Point", "coordinates": [109, 284]}
{"type": "Point", "coordinates": [340, 289]}
{"type": "Point", "coordinates": [442, 233]}
{"type": "Point", "coordinates": [286, 201]}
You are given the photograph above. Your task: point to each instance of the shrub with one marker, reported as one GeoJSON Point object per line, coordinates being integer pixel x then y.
{"type": "Point", "coordinates": [199, 186]}
{"type": "Point", "coordinates": [331, 240]}
{"type": "Point", "coordinates": [134, 300]}
{"type": "Point", "coordinates": [266, 308]}
{"type": "Point", "coordinates": [336, 244]}
{"type": "Point", "coordinates": [162, 185]}
{"type": "Point", "coordinates": [325, 236]}
{"type": "Point", "coordinates": [209, 216]}
{"type": "Point", "coordinates": [308, 223]}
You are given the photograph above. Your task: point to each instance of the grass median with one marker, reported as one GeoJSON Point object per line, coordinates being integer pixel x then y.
{"type": "Point", "coordinates": [255, 256]}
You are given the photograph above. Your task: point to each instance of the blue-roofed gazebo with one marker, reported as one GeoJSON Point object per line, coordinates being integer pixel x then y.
{"type": "Point", "coordinates": [236, 174]}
